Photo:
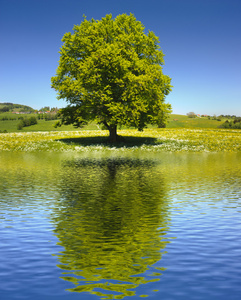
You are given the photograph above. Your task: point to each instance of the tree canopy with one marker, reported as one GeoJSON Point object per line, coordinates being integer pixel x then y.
{"type": "Point", "coordinates": [110, 71]}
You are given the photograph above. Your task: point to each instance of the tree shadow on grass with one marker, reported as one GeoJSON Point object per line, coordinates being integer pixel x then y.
{"type": "Point", "coordinates": [123, 141]}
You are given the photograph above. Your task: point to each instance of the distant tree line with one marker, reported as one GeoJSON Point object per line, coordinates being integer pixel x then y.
{"type": "Point", "coordinates": [4, 109]}
{"type": "Point", "coordinates": [6, 118]}
{"type": "Point", "coordinates": [214, 117]}
{"type": "Point", "coordinates": [229, 116]}
{"type": "Point", "coordinates": [48, 116]}
{"type": "Point", "coordinates": [48, 109]}
{"type": "Point", "coordinates": [219, 118]}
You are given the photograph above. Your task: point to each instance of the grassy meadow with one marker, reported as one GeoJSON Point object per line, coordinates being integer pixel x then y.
{"type": "Point", "coordinates": [11, 124]}
{"type": "Point", "coordinates": [182, 134]}
{"type": "Point", "coordinates": [170, 139]}
{"type": "Point", "coordinates": [175, 121]}
{"type": "Point", "coordinates": [181, 121]}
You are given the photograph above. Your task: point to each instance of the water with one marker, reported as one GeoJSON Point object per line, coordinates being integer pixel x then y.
{"type": "Point", "coordinates": [101, 226]}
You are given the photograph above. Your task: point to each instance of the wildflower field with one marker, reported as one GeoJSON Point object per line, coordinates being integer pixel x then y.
{"type": "Point", "coordinates": [169, 139]}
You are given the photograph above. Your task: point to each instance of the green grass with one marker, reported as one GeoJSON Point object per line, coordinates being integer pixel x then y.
{"type": "Point", "coordinates": [175, 121]}
{"type": "Point", "coordinates": [11, 126]}
{"type": "Point", "coordinates": [181, 121]}
{"type": "Point", "coordinates": [182, 134]}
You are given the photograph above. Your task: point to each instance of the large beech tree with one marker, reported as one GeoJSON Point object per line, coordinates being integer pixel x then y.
{"type": "Point", "coordinates": [110, 71]}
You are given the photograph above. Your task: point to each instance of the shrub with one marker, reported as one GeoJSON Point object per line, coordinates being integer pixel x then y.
{"type": "Point", "coordinates": [4, 118]}
{"type": "Point", "coordinates": [20, 125]}
{"type": "Point", "coordinates": [33, 120]}
{"type": "Point", "coordinates": [57, 124]}
{"type": "Point", "coordinates": [4, 109]}
{"type": "Point", "coordinates": [235, 124]}
{"type": "Point", "coordinates": [26, 122]}
{"type": "Point", "coordinates": [50, 116]}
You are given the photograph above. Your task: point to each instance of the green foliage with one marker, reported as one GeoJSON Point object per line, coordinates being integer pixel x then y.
{"type": "Point", "coordinates": [50, 116]}
{"type": "Point", "coordinates": [33, 120]}
{"type": "Point", "coordinates": [25, 122]}
{"type": "Point", "coordinates": [20, 125]}
{"type": "Point", "coordinates": [5, 118]}
{"type": "Point", "coordinates": [228, 116]}
{"type": "Point", "coordinates": [163, 118]}
{"type": "Point", "coordinates": [57, 124]}
{"type": "Point", "coordinates": [110, 71]}
{"type": "Point", "coordinates": [235, 124]}
{"type": "Point", "coordinates": [45, 108]}
{"type": "Point", "coordinates": [4, 109]}
{"type": "Point", "coordinates": [40, 116]}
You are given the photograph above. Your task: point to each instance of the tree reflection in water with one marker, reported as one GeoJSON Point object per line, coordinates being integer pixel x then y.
{"type": "Point", "coordinates": [112, 221]}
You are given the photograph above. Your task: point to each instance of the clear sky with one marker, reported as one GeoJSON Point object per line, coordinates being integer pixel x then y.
{"type": "Point", "coordinates": [201, 40]}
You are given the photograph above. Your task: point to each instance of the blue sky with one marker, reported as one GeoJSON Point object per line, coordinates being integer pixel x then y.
{"type": "Point", "coordinates": [201, 41]}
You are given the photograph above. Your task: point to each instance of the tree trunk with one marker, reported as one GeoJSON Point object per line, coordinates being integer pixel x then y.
{"type": "Point", "coordinates": [112, 133]}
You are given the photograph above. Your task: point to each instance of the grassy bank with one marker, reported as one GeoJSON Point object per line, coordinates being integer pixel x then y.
{"type": "Point", "coordinates": [195, 140]}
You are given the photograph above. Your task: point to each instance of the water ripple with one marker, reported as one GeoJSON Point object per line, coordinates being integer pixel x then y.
{"type": "Point", "coordinates": [160, 225]}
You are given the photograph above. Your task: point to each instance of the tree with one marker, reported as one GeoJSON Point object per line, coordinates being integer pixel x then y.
{"type": "Point", "coordinates": [191, 115]}
{"type": "Point", "coordinates": [110, 71]}
{"type": "Point", "coordinates": [45, 108]}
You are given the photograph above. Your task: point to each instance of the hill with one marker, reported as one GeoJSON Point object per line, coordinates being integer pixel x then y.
{"type": "Point", "coordinates": [181, 121]}
{"type": "Point", "coordinates": [10, 107]}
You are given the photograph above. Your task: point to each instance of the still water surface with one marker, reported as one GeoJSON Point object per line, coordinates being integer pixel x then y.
{"type": "Point", "coordinates": [101, 226]}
